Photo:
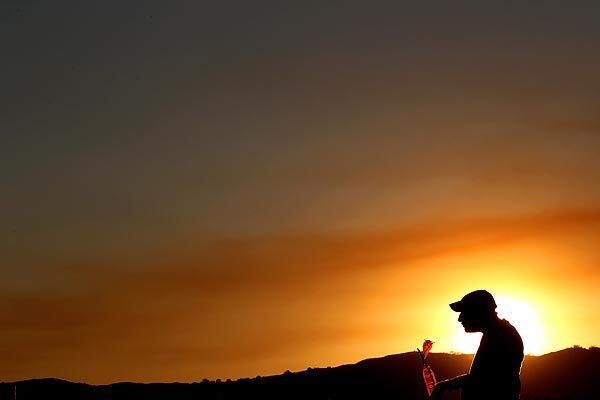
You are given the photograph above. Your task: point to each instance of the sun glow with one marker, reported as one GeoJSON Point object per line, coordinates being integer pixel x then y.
{"type": "Point", "coordinates": [521, 315]}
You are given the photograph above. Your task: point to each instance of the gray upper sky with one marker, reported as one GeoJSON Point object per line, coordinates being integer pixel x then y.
{"type": "Point", "coordinates": [126, 125]}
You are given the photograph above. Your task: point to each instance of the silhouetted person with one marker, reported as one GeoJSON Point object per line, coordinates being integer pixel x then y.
{"type": "Point", "coordinates": [494, 372]}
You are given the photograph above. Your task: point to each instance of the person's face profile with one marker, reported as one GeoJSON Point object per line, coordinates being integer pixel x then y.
{"type": "Point", "coordinates": [470, 321]}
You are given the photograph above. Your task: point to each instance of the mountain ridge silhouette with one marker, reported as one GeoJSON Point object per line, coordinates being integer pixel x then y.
{"type": "Point", "coordinates": [565, 374]}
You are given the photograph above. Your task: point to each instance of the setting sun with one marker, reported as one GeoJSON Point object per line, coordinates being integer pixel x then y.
{"type": "Point", "coordinates": [521, 315]}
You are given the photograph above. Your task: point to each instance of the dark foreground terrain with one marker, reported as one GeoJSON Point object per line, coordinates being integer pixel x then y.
{"type": "Point", "coordinates": [567, 374]}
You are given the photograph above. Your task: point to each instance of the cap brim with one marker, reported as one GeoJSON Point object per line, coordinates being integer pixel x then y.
{"type": "Point", "coordinates": [457, 306]}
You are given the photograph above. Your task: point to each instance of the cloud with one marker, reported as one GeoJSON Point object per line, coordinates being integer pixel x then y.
{"type": "Point", "coordinates": [237, 263]}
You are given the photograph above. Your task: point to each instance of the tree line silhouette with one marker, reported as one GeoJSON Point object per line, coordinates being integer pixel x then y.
{"type": "Point", "coordinates": [569, 374]}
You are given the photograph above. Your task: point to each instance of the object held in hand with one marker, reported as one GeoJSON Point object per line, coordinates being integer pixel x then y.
{"type": "Point", "coordinates": [428, 375]}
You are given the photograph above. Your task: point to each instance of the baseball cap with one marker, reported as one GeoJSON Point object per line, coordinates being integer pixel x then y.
{"type": "Point", "coordinates": [479, 300]}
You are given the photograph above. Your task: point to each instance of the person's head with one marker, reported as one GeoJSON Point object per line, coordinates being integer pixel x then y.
{"type": "Point", "coordinates": [477, 309]}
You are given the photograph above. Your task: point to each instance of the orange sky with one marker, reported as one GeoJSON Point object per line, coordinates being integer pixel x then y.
{"type": "Point", "coordinates": [209, 190]}
{"type": "Point", "coordinates": [259, 305]}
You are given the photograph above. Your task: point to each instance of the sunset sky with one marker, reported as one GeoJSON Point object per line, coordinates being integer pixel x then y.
{"type": "Point", "coordinates": [217, 189]}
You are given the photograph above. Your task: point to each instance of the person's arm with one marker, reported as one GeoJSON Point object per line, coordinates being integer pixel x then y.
{"type": "Point", "coordinates": [449, 384]}
{"type": "Point", "coordinates": [456, 383]}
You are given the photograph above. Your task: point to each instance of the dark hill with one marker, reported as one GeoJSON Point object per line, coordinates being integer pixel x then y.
{"type": "Point", "coordinates": [566, 374]}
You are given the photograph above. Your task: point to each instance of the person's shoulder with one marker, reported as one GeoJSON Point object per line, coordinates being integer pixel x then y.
{"type": "Point", "coordinates": [510, 332]}
{"type": "Point", "coordinates": [508, 326]}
